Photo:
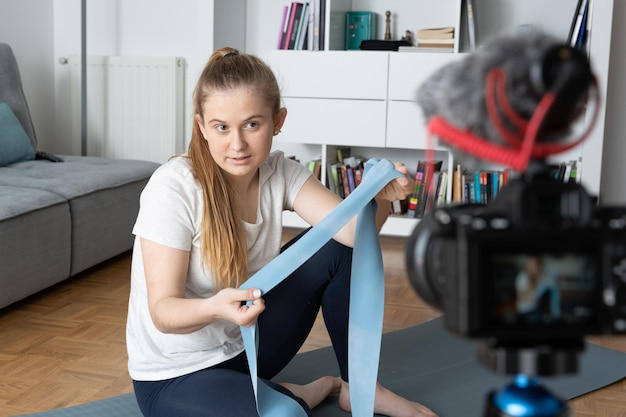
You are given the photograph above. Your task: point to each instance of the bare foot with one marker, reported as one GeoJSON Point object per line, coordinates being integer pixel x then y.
{"type": "Point", "coordinates": [315, 392]}
{"type": "Point", "coordinates": [387, 403]}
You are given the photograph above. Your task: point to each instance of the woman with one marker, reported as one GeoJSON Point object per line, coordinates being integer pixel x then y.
{"type": "Point", "coordinates": [209, 220]}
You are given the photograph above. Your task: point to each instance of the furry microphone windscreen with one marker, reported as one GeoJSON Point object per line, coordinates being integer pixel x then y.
{"type": "Point", "coordinates": [457, 91]}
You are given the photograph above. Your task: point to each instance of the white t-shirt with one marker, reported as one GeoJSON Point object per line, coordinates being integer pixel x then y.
{"type": "Point", "coordinates": [170, 214]}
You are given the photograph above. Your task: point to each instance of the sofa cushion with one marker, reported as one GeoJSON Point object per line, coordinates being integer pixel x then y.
{"type": "Point", "coordinates": [11, 91]}
{"type": "Point", "coordinates": [15, 145]}
{"type": "Point", "coordinates": [35, 242]}
{"type": "Point", "coordinates": [103, 196]}
{"type": "Point", "coordinates": [77, 176]}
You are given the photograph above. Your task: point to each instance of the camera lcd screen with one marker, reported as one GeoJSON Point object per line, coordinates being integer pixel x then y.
{"type": "Point", "coordinates": [542, 289]}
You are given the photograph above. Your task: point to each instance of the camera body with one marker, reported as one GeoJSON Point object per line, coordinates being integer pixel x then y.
{"type": "Point", "coordinates": [540, 265]}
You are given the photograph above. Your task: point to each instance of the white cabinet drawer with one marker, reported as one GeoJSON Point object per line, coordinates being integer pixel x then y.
{"type": "Point", "coordinates": [408, 70]}
{"type": "Point", "coordinates": [332, 74]}
{"type": "Point", "coordinates": [334, 122]}
{"type": "Point", "coordinates": [405, 126]}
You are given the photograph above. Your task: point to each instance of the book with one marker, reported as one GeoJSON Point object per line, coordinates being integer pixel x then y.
{"type": "Point", "coordinates": [476, 190]}
{"type": "Point", "coordinates": [351, 180]}
{"type": "Point", "coordinates": [435, 43]}
{"type": "Point", "coordinates": [283, 27]}
{"type": "Point", "coordinates": [331, 176]}
{"type": "Point", "coordinates": [322, 18]}
{"type": "Point", "coordinates": [424, 49]}
{"type": "Point", "coordinates": [315, 166]}
{"type": "Point", "coordinates": [470, 16]}
{"type": "Point", "coordinates": [456, 184]}
{"type": "Point", "coordinates": [567, 171]}
{"type": "Point", "coordinates": [428, 185]}
{"type": "Point", "coordinates": [310, 26]}
{"type": "Point", "coordinates": [340, 187]}
{"type": "Point", "coordinates": [577, 27]}
{"type": "Point", "coordinates": [316, 24]}
{"type": "Point", "coordinates": [396, 207]}
{"type": "Point", "coordinates": [419, 175]}
{"type": "Point", "coordinates": [303, 27]}
{"type": "Point", "coordinates": [294, 24]}
{"type": "Point", "coordinates": [583, 34]}
{"type": "Point", "coordinates": [344, 180]}
{"type": "Point", "coordinates": [343, 152]}
{"type": "Point", "coordinates": [435, 46]}
{"type": "Point", "coordinates": [495, 185]}
{"type": "Point", "coordinates": [446, 32]}
{"type": "Point", "coordinates": [431, 196]}
{"type": "Point", "coordinates": [442, 193]}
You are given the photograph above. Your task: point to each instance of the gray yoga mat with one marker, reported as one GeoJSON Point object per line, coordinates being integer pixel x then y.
{"type": "Point", "coordinates": [424, 363]}
{"type": "Point", "coordinates": [427, 364]}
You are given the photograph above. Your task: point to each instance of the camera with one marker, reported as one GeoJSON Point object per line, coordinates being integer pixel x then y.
{"type": "Point", "coordinates": [541, 264]}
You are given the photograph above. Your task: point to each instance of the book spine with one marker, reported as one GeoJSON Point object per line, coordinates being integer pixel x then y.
{"type": "Point", "coordinates": [302, 27]}
{"type": "Point", "coordinates": [283, 27]}
{"type": "Point", "coordinates": [351, 180]}
{"type": "Point", "coordinates": [427, 186]}
{"type": "Point", "coordinates": [484, 197]}
{"type": "Point", "coordinates": [331, 177]}
{"type": "Point", "coordinates": [295, 25]}
{"type": "Point", "coordinates": [344, 180]}
{"type": "Point", "coordinates": [322, 24]}
{"type": "Point", "coordinates": [477, 192]}
{"type": "Point", "coordinates": [419, 175]}
{"type": "Point", "coordinates": [443, 187]}
{"type": "Point", "coordinates": [456, 184]}
{"type": "Point", "coordinates": [285, 39]}
{"type": "Point", "coordinates": [396, 207]}
{"type": "Point", "coordinates": [471, 24]}
{"type": "Point", "coordinates": [358, 174]}
{"type": "Point", "coordinates": [340, 185]}
{"type": "Point", "coordinates": [579, 170]}
{"type": "Point", "coordinates": [433, 192]}
{"type": "Point", "coordinates": [310, 27]}
{"type": "Point", "coordinates": [292, 17]}
{"type": "Point", "coordinates": [495, 185]}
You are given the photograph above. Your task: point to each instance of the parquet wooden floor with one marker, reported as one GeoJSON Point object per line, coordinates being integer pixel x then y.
{"type": "Point", "coordinates": [65, 345]}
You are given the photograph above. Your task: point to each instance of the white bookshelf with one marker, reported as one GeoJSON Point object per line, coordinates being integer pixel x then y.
{"type": "Point", "coordinates": [365, 99]}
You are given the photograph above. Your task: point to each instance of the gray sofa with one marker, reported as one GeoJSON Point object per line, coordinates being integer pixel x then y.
{"type": "Point", "coordinates": [56, 218]}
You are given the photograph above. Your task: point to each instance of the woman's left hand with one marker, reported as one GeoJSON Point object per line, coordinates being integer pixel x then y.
{"type": "Point", "coordinates": [398, 189]}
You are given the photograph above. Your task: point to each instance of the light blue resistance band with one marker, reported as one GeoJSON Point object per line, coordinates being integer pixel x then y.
{"type": "Point", "coordinates": [366, 295]}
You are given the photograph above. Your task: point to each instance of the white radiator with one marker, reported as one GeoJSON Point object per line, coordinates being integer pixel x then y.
{"type": "Point", "coordinates": [134, 106]}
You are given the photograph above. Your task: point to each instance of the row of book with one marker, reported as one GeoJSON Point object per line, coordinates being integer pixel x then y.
{"type": "Point", "coordinates": [436, 38]}
{"type": "Point", "coordinates": [569, 171]}
{"type": "Point", "coordinates": [579, 30]}
{"type": "Point", "coordinates": [430, 188]}
{"type": "Point", "coordinates": [303, 26]}
{"type": "Point", "coordinates": [431, 182]}
{"type": "Point", "coordinates": [343, 175]}
{"type": "Point", "coordinates": [479, 187]}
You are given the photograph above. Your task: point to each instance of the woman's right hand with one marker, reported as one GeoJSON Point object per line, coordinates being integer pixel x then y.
{"type": "Point", "coordinates": [231, 305]}
{"type": "Point", "coordinates": [172, 312]}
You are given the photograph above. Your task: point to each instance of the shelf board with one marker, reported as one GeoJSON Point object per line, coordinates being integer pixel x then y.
{"type": "Point", "coordinates": [395, 226]}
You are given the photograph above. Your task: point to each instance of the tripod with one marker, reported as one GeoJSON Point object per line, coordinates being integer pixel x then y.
{"type": "Point", "coordinates": [525, 396]}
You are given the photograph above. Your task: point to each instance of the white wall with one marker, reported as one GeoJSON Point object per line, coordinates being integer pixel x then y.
{"type": "Point", "coordinates": [178, 28]}
{"type": "Point", "coordinates": [613, 178]}
{"type": "Point", "coordinates": [43, 31]}
{"type": "Point", "coordinates": [28, 27]}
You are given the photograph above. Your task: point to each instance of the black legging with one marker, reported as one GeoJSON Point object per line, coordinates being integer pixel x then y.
{"type": "Point", "coordinates": [291, 308]}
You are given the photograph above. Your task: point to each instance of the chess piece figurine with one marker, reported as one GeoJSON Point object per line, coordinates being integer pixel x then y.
{"type": "Point", "coordinates": [388, 26]}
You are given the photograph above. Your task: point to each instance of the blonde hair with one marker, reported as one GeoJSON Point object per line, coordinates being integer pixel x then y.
{"type": "Point", "coordinates": [223, 242]}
